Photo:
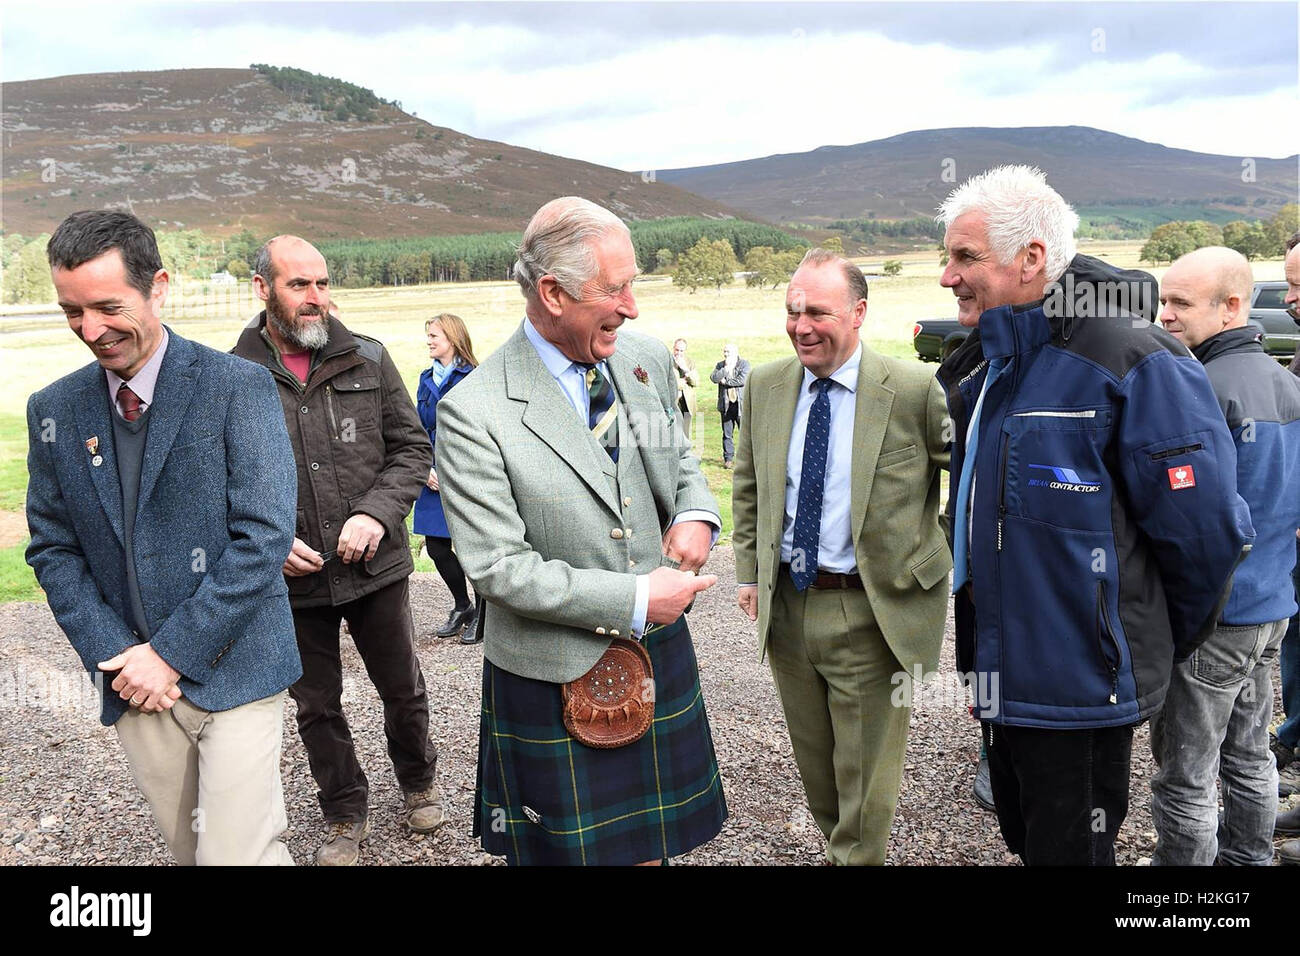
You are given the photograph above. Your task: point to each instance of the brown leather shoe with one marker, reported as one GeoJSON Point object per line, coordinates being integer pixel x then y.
{"type": "Point", "coordinates": [342, 846]}
{"type": "Point", "coordinates": [423, 811]}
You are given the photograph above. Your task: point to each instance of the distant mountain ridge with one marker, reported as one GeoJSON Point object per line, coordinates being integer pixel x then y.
{"type": "Point", "coordinates": [909, 174]}
{"type": "Point", "coordinates": [222, 150]}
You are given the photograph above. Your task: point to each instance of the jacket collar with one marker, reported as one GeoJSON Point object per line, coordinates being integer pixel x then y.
{"type": "Point", "coordinates": [1013, 329]}
{"type": "Point", "coordinates": [173, 394]}
{"type": "Point", "coordinates": [256, 346]}
{"type": "Point", "coordinates": [1240, 339]}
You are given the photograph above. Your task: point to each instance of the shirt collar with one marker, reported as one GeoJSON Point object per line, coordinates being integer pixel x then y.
{"type": "Point", "coordinates": [556, 362]}
{"type": "Point", "coordinates": [846, 374]}
{"type": "Point", "coordinates": [144, 381]}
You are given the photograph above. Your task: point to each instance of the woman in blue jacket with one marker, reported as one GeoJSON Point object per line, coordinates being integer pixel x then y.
{"type": "Point", "coordinates": [453, 359]}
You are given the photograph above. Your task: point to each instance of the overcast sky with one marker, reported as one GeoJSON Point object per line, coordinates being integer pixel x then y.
{"type": "Point", "coordinates": [658, 85]}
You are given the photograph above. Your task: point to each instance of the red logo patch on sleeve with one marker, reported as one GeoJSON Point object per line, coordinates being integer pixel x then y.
{"type": "Point", "coordinates": [1182, 476]}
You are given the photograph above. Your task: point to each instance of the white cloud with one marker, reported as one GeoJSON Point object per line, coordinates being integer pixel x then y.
{"type": "Point", "coordinates": [693, 99]}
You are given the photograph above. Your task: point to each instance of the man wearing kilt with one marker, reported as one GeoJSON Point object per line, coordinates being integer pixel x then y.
{"type": "Point", "coordinates": [581, 516]}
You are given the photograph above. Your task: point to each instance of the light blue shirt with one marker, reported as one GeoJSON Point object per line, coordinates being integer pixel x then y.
{"type": "Point", "coordinates": [571, 377]}
{"type": "Point", "coordinates": [835, 544]}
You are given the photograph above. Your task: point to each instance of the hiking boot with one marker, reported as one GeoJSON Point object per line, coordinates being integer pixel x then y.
{"type": "Point", "coordinates": [342, 846]}
{"type": "Point", "coordinates": [423, 811]}
{"type": "Point", "coordinates": [1287, 822]}
{"type": "Point", "coordinates": [1288, 853]}
{"type": "Point", "coordinates": [1283, 754]}
{"type": "Point", "coordinates": [1288, 781]}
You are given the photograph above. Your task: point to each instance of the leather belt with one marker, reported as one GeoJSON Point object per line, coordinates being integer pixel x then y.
{"type": "Point", "coordinates": [831, 580]}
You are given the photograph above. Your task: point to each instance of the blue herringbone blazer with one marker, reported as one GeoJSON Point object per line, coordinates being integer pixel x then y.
{"type": "Point", "coordinates": [214, 523]}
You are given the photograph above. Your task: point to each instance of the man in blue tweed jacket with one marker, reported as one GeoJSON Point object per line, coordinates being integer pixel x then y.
{"type": "Point", "coordinates": [161, 503]}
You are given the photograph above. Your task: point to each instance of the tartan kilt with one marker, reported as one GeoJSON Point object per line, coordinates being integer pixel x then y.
{"type": "Point", "coordinates": [542, 798]}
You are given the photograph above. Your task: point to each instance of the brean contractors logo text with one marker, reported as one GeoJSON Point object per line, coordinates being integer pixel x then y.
{"type": "Point", "coordinates": [1064, 479]}
{"type": "Point", "coordinates": [75, 909]}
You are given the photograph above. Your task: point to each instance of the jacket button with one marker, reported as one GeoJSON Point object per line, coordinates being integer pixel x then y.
{"type": "Point", "coordinates": [315, 466]}
{"type": "Point", "coordinates": [325, 524]}
{"type": "Point", "coordinates": [631, 563]}
{"type": "Point", "coordinates": [613, 632]}
{"type": "Point", "coordinates": [627, 501]}
{"type": "Point", "coordinates": [356, 384]}
{"type": "Point", "coordinates": [336, 580]}
{"type": "Point", "coordinates": [627, 533]}
{"type": "Point", "coordinates": [600, 630]}
{"type": "Point", "coordinates": [616, 534]}
{"type": "Point", "coordinates": [304, 409]}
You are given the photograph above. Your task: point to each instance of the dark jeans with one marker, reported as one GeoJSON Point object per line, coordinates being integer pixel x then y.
{"type": "Point", "coordinates": [1061, 795]}
{"type": "Point", "coordinates": [730, 421]}
{"type": "Point", "coordinates": [1288, 732]}
{"type": "Point", "coordinates": [381, 628]}
{"type": "Point", "coordinates": [449, 569]}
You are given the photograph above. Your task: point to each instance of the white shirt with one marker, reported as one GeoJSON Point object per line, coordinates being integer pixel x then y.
{"type": "Point", "coordinates": [835, 544]}
{"type": "Point", "coordinates": [571, 377]}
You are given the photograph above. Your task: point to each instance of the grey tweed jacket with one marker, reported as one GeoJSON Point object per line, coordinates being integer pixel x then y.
{"type": "Point", "coordinates": [549, 529]}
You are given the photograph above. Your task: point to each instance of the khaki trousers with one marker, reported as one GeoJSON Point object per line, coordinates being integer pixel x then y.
{"type": "Point", "coordinates": [833, 673]}
{"type": "Point", "coordinates": [213, 780]}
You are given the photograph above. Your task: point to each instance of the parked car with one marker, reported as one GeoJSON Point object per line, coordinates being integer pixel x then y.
{"type": "Point", "coordinates": [936, 339]}
{"type": "Point", "coordinates": [1269, 316]}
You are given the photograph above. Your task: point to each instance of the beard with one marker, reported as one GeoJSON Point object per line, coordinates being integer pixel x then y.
{"type": "Point", "coordinates": [306, 335]}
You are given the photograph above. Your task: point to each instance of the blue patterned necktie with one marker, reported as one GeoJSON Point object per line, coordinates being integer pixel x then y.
{"type": "Point", "coordinates": [961, 528]}
{"type": "Point", "coordinates": [812, 484]}
{"type": "Point", "coordinates": [602, 418]}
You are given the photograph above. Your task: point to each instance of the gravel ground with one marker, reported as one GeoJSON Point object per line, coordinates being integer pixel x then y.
{"type": "Point", "coordinates": [66, 795]}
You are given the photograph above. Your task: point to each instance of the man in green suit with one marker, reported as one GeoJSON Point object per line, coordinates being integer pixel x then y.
{"type": "Point", "coordinates": [840, 556]}
{"type": "Point", "coordinates": [580, 515]}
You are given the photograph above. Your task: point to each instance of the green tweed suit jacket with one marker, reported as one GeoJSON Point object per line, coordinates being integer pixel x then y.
{"type": "Point", "coordinates": [899, 446]}
{"type": "Point", "coordinates": [549, 529]}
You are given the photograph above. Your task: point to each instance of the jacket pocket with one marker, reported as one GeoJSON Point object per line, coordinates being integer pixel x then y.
{"type": "Point", "coordinates": [1054, 469]}
{"type": "Point", "coordinates": [895, 457]}
{"type": "Point", "coordinates": [353, 404]}
{"type": "Point", "coordinates": [933, 568]}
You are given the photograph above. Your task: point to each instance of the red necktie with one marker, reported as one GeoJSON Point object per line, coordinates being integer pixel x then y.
{"type": "Point", "coordinates": [129, 402]}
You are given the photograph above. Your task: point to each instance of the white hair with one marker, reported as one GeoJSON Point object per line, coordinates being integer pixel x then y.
{"type": "Point", "coordinates": [1018, 207]}
{"type": "Point", "coordinates": [559, 242]}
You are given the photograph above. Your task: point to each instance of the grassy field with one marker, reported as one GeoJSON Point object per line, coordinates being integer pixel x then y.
{"type": "Point", "coordinates": [35, 352]}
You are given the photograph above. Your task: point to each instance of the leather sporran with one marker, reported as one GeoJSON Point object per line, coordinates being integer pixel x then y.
{"type": "Point", "coordinates": [613, 704]}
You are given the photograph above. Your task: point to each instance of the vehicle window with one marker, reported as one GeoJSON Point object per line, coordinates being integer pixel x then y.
{"type": "Point", "coordinates": [1271, 299]}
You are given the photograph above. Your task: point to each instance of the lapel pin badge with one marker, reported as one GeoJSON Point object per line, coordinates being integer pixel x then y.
{"type": "Point", "coordinates": [92, 446]}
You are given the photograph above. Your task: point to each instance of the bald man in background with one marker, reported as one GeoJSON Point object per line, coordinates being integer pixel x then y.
{"type": "Point", "coordinates": [1220, 700]}
{"type": "Point", "coordinates": [362, 458]}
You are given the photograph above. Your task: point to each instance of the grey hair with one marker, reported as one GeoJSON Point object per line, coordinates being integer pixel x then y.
{"type": "Point", "coordinates": [1018, 207]}
{"type": "Point", "coordinates": [1293, 241]}
{"type": "Point", "coordinates": [262, 262]}
{"type": "Point", "coordinates": [559, 242]}
{"type": "Point", "coordinates": [855, 281]}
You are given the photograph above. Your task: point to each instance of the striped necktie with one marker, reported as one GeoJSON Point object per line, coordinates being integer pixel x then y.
{"type": "Point", "coordinates": [602, 418]}
{"type": "Point", "coordinates": [129, 402]}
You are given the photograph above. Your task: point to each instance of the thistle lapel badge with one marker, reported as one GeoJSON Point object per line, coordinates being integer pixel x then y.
{"type": "Point", "coordinates": [641, 375]}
